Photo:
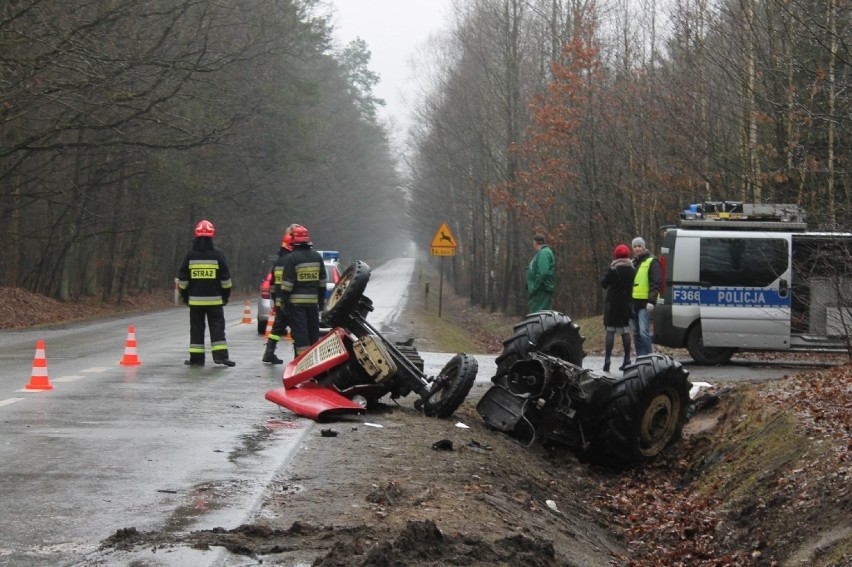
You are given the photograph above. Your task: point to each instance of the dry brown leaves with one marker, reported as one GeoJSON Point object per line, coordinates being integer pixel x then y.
{"type": "Point", "coordinates": [666, 522]}
{"type": "Point", "coordinates": [20, 308]}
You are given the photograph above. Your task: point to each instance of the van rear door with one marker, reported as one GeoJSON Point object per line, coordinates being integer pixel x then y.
{"type": "Point", "coordinates": [745, 289]}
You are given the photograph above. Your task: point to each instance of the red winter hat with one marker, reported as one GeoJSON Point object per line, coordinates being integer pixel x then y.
{"type": "Point", "coordinates": [622, 251]}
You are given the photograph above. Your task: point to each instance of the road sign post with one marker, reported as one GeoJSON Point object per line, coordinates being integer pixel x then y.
{"type": "Point", "coordinates": [443, 244]}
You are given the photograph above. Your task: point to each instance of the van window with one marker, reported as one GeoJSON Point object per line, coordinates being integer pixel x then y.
{"type": "Point", "coordinates": [742, 262]}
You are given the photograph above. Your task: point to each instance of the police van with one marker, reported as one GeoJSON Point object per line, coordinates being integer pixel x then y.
{"type": "Point", "coordinates": [753, 277]}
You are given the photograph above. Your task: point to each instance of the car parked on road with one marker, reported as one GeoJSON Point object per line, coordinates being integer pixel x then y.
{"type": "Point", "coordinates": [331, 259]}
{"type": "Point", "coordinates": [264, 303]}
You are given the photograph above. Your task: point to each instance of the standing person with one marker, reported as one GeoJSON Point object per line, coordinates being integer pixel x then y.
{"type": "Point", "coordinates": [303, 290]}
{"type": "Point", "coordinates": [646, 287]}
{"type": "Point", "coordinates": [204, 281]}
{"type": "Point", "coordinates": [279, 327]}
{"type": "Point", "coordinates": [618, 283]}
{"type": "Point", "coordinates": [541, 276]}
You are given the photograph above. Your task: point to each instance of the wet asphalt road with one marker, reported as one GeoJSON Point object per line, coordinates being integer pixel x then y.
{"type": "Point", "coordinates": [161, 445]}
{"type": "Point", "coordinates": [155, 446]}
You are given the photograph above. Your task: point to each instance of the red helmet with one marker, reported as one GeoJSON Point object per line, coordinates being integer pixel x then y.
{"type": "Point", "coordinates": [300, 235]}
{"type": "Point", "coordinates": [205, 228]}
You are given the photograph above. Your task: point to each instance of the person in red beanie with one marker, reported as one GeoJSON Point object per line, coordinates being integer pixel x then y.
{"type": "Point", "coordinates": [618, 283]}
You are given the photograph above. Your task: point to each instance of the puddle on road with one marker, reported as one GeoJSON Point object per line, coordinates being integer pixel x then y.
{"type": "Point", "coordinates": [202, 499]}
{"type": "Point", "coordinates": [255, 441]}
{"type": "Point", "coordinates": [219, 495]}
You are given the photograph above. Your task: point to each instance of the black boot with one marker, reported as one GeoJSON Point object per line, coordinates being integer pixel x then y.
{"type": "Point", "coordinates": [606, 365]}
{"type": "Point", "coordinates": [221, 357]}
{"type": "Point", "coordinates": [269, 355]}
{"type": "Point", "coordinates": [195, 360]}
{"type": "Point", "coordinates": [625, 341]}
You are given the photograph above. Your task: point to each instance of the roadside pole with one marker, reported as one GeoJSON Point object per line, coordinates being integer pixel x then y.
{"type": "Point", "coordinates": [443, 244]}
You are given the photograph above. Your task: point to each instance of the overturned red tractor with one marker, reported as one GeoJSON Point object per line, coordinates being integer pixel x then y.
{"type": "Point", "coordinates": [540, 393]}
{"type": "Point", "coordinates": [353, 366]}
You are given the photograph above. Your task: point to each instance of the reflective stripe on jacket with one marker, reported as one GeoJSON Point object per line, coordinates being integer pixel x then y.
{"type": "Point", "coordinates": [204, 278]}
{"type": "Point", "coordinates": [304, 277]}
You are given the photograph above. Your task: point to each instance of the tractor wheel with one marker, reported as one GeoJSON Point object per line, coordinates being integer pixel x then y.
{"type": "Point", "coordinates": [452, 386]}
{"type": "Point", "coordinates": [548, 332]}
{"type": "Point", "coordinates": [645, 412]}
{"type": "Point", "coordinates": [346, 294]}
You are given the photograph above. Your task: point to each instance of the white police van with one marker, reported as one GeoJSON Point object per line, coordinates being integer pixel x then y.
{"type": "Point", "coordinates": [752, 277]}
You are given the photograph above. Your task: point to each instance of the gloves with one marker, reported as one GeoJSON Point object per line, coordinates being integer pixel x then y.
{"type": "Point", "coordinates": [650, 308]}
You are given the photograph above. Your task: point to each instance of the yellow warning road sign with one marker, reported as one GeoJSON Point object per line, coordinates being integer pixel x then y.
{"type": "Point", "coordinates": [444, 238]}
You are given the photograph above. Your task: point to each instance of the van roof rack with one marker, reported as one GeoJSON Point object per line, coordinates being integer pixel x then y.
{"type": "Point", "coordinates": [736, 215]}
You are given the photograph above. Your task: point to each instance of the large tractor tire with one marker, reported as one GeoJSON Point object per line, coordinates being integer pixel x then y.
{"type": "Point", "coordinates": [548, 332]}
{"type": "Point", "coordinates": [704, 355]}
{"type": "Point", "coordinates": [453, 384]}
{"type": "Point", "coordinates": [346, 294]}
{"type": "Point", "coordinates": [644, 413]}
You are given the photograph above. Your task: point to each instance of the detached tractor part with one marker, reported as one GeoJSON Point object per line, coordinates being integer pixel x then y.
{"type": "Point", "coordinates": [353, 366]}
{"type": "Point", "coordinates": [616, 421]}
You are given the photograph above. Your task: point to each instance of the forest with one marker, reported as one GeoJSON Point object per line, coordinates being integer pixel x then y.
{"type": "Point", "coordinates": [124, 122]}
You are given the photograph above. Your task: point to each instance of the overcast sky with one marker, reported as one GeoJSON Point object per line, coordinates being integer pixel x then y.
{"type": "Point", "coordinates": [393, 30]}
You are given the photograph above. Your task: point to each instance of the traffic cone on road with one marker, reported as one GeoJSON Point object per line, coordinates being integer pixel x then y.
{"type": "Point", "coordinates": [130, 356]}
{"type": "Point", "coordinates": [39, 379]}
{"type": "Point", "coordinates": [247, 313]}
{"type": "Point", "coordinates": [289, 336]}
{"type": "Point", "coordinates": [269, 323]}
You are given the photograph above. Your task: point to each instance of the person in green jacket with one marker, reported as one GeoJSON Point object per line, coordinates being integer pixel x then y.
{"type": "Point", "coordinates": [541, 276]}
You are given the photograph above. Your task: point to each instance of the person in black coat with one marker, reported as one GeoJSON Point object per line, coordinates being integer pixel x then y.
{"type": "Point", "coordinates": [204, 281]}
{"type": "Point", "coordinates": [303, 289]}
{"type": "Point", "coordinates": [618, 283]}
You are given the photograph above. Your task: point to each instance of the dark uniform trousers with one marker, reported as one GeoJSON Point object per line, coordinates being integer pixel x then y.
{"type": "Point", "coordinates": [304, 325]}
{"type": "Point", "coordinates": [279, 326]}
{"type": "Point", "coordinates": [215, 318]}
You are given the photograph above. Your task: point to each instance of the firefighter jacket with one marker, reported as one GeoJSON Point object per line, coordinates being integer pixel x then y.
{"type": "Point", "coordinates": [204, 278]}
{"type": "Point", "coordinates": [304, 278]}
{"type": "Point", "coordinates": [277, 277]}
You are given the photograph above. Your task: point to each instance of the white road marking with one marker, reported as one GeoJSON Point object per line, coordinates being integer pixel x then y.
{"type": "Point", "coordinates": [67, 378]}
{"type": "Point", "coordinates": [9, 401]}
{"type": "Point", "coordinates": [97, 369]}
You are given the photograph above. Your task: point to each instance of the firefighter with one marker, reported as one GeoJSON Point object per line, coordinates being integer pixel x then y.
{"type": "Point", "coordinates": [303, 290]}
{"type": "Point", "coordinates": [205, 286]}
{"type": "Point", "coordinates": [279, 328]}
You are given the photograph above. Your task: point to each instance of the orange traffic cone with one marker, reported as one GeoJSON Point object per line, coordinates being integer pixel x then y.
{"type": "Point", "coordinates": [247, 313]}
{"type": "Point", "coordinates": [130, 356]}
{"type": "Point", "coordinates": [39, 379]}
{"type": "Point", "coordinates": [269, 323]}
{"type": "Point", "coordinates": [289, 336]}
